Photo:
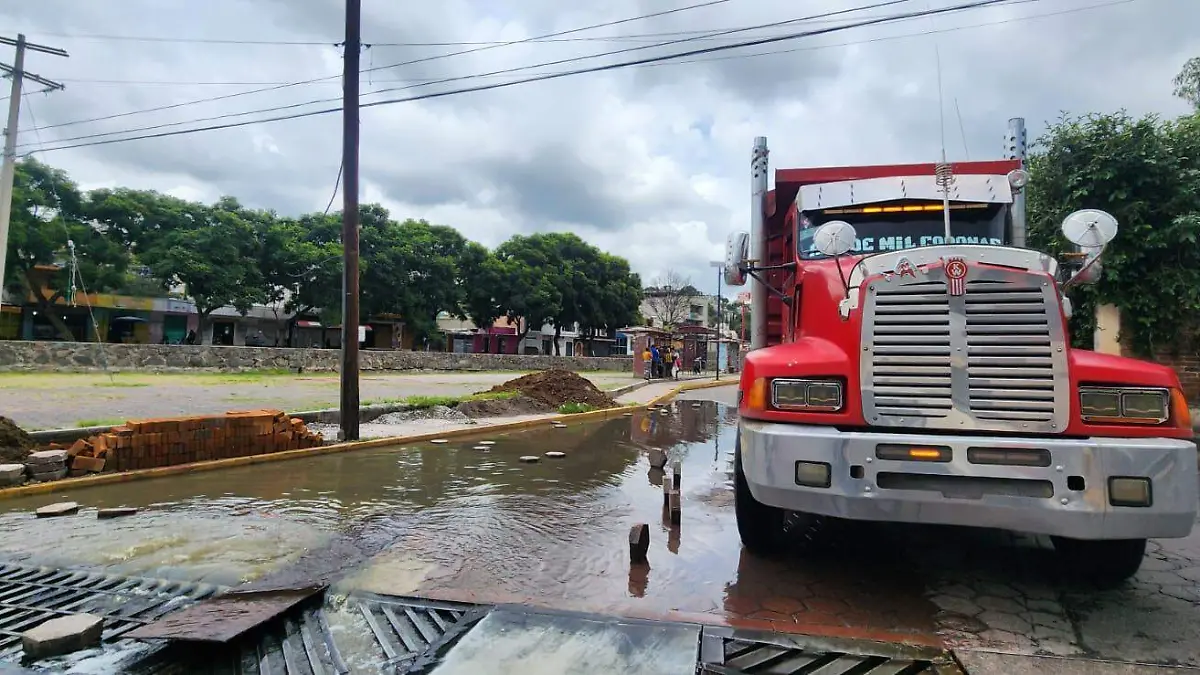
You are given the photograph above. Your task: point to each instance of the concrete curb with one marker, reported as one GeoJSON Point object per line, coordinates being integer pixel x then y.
{"type": "Point", "coordinates": [179, 469]}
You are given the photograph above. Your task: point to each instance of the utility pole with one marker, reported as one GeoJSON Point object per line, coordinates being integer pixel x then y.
{"type": "Point", "coordinates": [9, 169]}
{"type": "Point", "coordinates": [350, 394]}
{"type": "Point", "coordinates": [720, 273]}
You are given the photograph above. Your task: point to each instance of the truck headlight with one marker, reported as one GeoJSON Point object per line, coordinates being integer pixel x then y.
{"type": "Point", "coordinates": [810, 395]}
{"type": "Point", "coordinates": [1125, 405]}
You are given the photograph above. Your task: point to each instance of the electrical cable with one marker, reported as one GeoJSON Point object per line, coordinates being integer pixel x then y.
{"type": "Point", "coordinates": [507, 71]}
{"type": "Point", "coordinates": [75, 273]}
{"type": "Point", "coordinates": [172, 106]}
{"type": "Point", "coordinates": [547, 76]}
{"type": "Point", "coordinates": [885, 38]}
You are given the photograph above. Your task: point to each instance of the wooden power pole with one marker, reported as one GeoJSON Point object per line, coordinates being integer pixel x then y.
{"type": "Point", "coordinates": [350, 320]}
{"type": "Point", "coordinates": [8, 171]}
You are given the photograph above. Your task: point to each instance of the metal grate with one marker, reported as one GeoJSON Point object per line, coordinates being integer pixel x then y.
{"type": "Point", "coordinates": [990, 359]}
{"type": "Point", "coordinates": [30, 595]}
{"type": "Point", "coordinates": [1010, 352]}
{"type": "Point", "coordinates": [297, 645]}
{"type": "Point", "coordinates": [745, 653]}
{"type": "Point", "coordinates": [412, 632]}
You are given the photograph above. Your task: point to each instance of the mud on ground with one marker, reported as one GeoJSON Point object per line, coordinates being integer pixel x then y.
{"type": "Point", "coordinates": [518, 405]}
{"type": "Point", "coordinates": [554, 388]}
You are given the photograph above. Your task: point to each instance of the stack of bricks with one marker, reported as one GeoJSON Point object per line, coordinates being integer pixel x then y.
{"type": "Point", "coordinates": [147, 444]}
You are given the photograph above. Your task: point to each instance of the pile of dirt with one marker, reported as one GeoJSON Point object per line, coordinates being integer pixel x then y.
{"type": "Point", "coordinates": [556, 387]}
{"type": "Point", "coordinates": [15, 444]}
{"type": "Point", "coordinates": [503, 407]}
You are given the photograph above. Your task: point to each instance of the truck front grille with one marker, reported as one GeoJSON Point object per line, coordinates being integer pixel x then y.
{"type": "Point", "coordinates": [990, 359]}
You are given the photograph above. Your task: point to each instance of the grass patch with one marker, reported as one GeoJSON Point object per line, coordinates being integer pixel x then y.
{"type": "Point", "coordinates": [121, 384]}
{"type": "Point", "coordinates": [572, 408]}
{"type": "Point", "coordinates": [108, 422]}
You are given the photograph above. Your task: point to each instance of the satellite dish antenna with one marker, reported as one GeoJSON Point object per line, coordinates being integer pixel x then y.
{"type": "Point", "coordinates": [1089, 229]}
{"type": "Point", "coordinates": [837, 237]}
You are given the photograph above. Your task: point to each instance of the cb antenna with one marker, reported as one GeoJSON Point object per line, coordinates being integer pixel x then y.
{"type": "Point", "coordinates": [943, 172]}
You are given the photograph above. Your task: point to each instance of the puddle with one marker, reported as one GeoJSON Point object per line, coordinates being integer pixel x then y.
{"type": "Point", "coordinates": [457, 523]}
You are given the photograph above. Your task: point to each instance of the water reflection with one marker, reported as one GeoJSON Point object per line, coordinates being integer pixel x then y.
{"type": "Point", "coordinates": [447, 514]}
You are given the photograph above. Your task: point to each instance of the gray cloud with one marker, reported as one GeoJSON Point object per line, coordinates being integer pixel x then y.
{"type": "Point", "coordinates": [651, 163]}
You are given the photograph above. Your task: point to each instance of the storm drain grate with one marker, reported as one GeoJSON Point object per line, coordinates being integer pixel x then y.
{"type": "Point", "coordinates": [411, 632]}
{"type": "Point", "coordinates": [299, 644]}
{"type": "Point", "coordinates": [30, 595]}
{"type": "Point", "coordinates": [729, 652]}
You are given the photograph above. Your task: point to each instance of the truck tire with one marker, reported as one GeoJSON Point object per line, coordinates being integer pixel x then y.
{"type": "Point", "coordinates": [759, 525]}
{"type": "Point", "coordinates": [1107, 563]}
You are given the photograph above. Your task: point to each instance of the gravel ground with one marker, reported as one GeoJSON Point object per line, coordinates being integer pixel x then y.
{"type": "Point", "coordinates": [59, 400]}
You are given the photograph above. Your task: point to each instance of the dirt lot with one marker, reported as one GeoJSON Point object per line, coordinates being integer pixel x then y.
{"type": "Point", "coordinates": [52, 400]}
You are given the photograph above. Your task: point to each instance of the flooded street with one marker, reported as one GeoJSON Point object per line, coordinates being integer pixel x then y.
{"type": "Point", "coordinates": [453, 522]}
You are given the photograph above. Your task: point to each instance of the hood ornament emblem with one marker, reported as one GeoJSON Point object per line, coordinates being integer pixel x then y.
{"type": "Point", "coordinates": [956, 276]}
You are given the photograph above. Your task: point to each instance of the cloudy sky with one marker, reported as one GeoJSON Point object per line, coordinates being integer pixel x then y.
{"type": "Point", "coordinates": [648, 162]}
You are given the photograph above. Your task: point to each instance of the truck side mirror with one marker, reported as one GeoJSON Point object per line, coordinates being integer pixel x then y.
{"type": "Point", "coordinates": [1090, 230]}
{"type": "Point", "coordinates": [736, 252]}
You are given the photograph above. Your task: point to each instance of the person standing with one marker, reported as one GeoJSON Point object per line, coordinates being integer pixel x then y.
{"type": "Point", "coordinates": [647, 362]}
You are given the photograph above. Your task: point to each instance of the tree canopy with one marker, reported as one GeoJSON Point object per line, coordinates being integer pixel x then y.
{"type": "Point", "coordinates": [228, 255]}
{"type": "Point", "coordinates": [1145, 172]}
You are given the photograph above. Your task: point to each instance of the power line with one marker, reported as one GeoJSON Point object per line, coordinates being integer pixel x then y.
{"type": "Point", "coordinates": [550, 76]}
{"type": "Point", "coordinates": [507, 71]}
{"type": "Point", "coordinates": [701, 33]}
{"type": "Point", "coordinates": [298, 83]}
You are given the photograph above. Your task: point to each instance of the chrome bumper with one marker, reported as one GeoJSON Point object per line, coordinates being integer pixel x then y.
{"type": "Point", "coordinates": [770, 452]}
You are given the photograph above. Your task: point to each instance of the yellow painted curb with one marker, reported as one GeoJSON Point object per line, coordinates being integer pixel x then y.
{"type": "Point", "coordinates": [179, 469]}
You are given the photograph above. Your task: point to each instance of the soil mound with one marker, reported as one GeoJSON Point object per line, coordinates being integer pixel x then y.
{"type": "Point", "coordinates": [15, 444]}
{"type": "Point", "coordinates": [502, 407]}
{"type": "Point", "coordinates": [555, 387]}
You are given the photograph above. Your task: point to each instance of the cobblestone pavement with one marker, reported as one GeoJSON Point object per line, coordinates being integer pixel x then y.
{"type": "Point", "coordinates": [53, 400]}
{"type": "Point", "coordinates": [1000, 591]}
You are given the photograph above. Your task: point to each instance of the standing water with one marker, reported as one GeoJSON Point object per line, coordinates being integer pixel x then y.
{"type": "Point", "coordinates": [471, 522]}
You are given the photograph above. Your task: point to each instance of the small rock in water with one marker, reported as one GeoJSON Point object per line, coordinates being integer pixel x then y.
{"type": "Point", "coordinates": [695, 405]}
{"type": "Point", "coordinates": [59, 509]}
{"type": "Point", "coordinates": [62, 635]}
{"type": "Point", "coordinates": [118, 512]}
{"type": "Point", "coordinates": [439, 441]}
{"type": "Point", "coordinates": [487, 442]}
{"type": "Point", "coordinates": [626, 414]}
{"type": "Point", "coordinates": [554, 454]}
{"type": "Point", "coordinates": [559, 425]}
{"type": "Point", "coordinates": [482, 447]}
{"type": "Point", "coordinates": [530, 459]}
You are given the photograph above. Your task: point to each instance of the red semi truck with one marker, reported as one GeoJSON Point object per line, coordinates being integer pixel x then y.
{"type": "Point", "coordinates": [910, 363]}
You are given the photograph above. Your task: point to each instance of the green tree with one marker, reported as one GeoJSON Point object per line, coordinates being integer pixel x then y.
{"type": "Point", "coordinates": [215, 257]}
{"type": "Point", "coordinates": [1187, 82]}
{"type": "Point", "coordinates": [1145, 172]}
{"type": "Point", "coordinates": [482, 286]}
{"type": "Point", "coordinates": [533, 281]}
{"type": "Point", "coordinates": [48, 216]}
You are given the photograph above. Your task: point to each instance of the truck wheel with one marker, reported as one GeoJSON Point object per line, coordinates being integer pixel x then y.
{"type": "Point", "coordinates": [1106, 563]}
{"type": "Point", "coordinates": [760, 525]}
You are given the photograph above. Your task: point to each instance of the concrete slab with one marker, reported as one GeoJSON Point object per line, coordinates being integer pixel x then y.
{"type": "Point", "coordinates": [46, 457]}
{"type": "Point", "coordinates": [516, 641]}
{"type": "Point", "coordinates": [12, 474]}
{"type": "Point", "coordinates": [62, 635]}
{"type": "Point", "coordinates": [993, 663]}
{"type": "Point", "coordinates": [59, 509]}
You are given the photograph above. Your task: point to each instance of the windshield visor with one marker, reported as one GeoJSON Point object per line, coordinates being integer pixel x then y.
{"type": "Point", "coordinates": [899, 226]}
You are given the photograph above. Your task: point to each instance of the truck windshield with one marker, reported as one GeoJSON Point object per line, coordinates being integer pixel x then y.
{"type": "Point", "coordinates": [879, 232]}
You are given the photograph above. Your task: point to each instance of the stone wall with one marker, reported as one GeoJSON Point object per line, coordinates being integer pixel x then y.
{"type": "Point", "coordinates": [80, 356]}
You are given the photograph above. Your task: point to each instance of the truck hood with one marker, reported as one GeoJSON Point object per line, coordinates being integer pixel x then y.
{"type": "Point", "coordinates": [1088, 367]}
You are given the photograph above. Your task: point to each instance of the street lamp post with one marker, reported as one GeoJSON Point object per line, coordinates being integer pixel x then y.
{"type": "Point", "coordinates": [720, 272]}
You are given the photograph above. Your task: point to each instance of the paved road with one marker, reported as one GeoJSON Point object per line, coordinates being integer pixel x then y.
{"type": "Point", "coordinates": [51, 401]}
{"type": "Point", "coordinates": [1002, 592]}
